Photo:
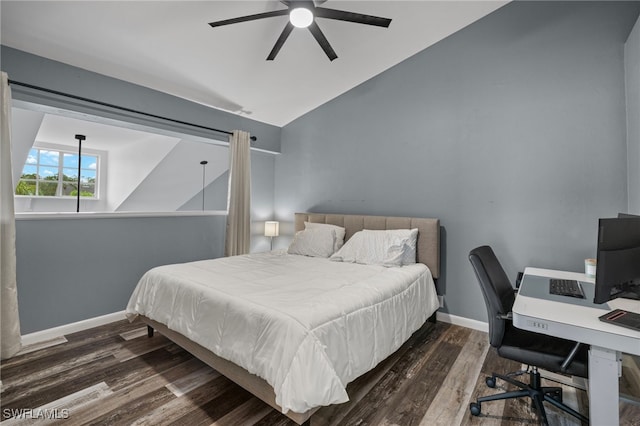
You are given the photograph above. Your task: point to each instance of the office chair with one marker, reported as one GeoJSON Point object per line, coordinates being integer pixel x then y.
{"type": "Point", "coordinates": [533, 349]}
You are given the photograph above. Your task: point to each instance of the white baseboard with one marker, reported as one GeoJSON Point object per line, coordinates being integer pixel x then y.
{"type": "Point", "coordinates": [52, 333]}
{"type": "Point", "coordinates": [462, 321]}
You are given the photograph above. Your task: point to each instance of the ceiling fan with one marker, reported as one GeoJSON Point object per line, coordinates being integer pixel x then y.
{"type": "Point", "coordinates": [303, 14]}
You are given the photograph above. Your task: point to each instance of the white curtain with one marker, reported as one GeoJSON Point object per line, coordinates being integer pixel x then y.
{"type": "Point", "coordinates": [10, 340]}
{"type": "Point", "coordinates": [239, 198]}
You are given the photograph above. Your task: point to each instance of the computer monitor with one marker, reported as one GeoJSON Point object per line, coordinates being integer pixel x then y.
{"type": "Point", "coordinates": [618, 262]}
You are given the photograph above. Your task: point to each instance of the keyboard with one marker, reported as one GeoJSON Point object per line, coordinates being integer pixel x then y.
{"type": "Point", "coordinates": [571, 288]}
{"type": "Point", "coordinates": [622, 318]}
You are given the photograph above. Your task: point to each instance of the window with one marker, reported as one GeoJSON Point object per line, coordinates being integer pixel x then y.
{"type": "Point", "coordinates": [54, 173]}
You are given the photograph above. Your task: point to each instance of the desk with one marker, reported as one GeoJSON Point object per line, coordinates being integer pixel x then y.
{"type": "Point", "coordinates": [577, 319]}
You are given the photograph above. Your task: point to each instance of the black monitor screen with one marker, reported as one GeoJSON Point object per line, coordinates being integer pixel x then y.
{"type": "Point", "coordinates": [618, 267]}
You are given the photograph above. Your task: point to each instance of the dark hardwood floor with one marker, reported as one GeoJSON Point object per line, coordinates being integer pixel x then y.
{"type": "Point", "coordinates": [116, 375]}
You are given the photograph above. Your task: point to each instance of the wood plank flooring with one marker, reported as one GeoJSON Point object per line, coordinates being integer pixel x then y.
{"type": "Point", "coordinates": [116, 375]}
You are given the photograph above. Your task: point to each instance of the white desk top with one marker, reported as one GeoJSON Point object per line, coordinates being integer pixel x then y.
{"type": "Point", "coordinates": [561, 316]}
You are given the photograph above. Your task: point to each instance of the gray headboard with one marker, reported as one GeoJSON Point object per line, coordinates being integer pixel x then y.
{"type": "Point", "coordinates": [428, 248]}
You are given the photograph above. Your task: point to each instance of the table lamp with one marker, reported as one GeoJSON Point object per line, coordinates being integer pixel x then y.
{"type": "Point", "coordinates": [271, 229]}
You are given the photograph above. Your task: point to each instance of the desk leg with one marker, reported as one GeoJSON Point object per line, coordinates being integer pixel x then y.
{"type": "Point", "coordinates": [604, 369]}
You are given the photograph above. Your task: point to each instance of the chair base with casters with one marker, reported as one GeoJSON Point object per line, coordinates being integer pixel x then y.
{"type": "Point", "coordinates": [535, 350]}
{"type": "Point", "coordinates": [533, 390]}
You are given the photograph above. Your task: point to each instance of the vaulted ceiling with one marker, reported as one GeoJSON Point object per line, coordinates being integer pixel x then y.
{"type": "Point", "coordinates": [169, 46]}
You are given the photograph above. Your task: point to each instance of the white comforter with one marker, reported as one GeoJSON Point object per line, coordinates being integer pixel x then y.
{"type": "Point", "coordinates": [308, 326]}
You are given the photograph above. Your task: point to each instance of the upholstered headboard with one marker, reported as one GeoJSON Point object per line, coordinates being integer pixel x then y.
{"type": "Point", "coordinates": [428, 247]}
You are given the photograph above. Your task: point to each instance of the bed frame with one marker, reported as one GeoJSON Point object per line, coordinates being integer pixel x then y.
{"type": "Point", "coordinates": [428, 252]}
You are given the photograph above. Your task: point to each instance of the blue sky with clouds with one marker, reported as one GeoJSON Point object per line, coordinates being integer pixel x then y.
{"type": "Point", "coordinates": [50, 164]}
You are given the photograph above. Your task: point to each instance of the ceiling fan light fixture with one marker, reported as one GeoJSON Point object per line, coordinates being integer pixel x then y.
{"type": "Point", "coordinates": [302, 14]}
{"type": "Point", "coordinates": [301, 17]}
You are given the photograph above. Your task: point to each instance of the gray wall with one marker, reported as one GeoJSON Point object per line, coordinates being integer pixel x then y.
{"type": "Point", "coordinates": [632, 76]}
{"type": "Point", "coordinates": [511, 131]}
{"type": "Point", "coordinates": [69, 270]}
{"type": "Point", "coordinates": [262, 192]}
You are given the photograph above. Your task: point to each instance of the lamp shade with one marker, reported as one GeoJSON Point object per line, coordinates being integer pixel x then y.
{"type": "Point", "coordinates": [271, 228]}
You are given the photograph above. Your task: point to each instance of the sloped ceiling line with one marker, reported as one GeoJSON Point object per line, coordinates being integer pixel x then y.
{"type": "Point", "coordinates": [225, 67]}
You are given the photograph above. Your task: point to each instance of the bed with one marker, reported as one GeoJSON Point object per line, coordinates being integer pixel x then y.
{"type": "Point", "coordinates": [295, 330]}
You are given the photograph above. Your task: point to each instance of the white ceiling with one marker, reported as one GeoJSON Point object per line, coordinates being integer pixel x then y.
{"type": "Point", "coordinates": [61, 130]}
{"type": "Point", "coordinates": [168, 46]}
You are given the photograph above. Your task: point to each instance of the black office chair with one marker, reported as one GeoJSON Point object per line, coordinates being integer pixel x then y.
{"type": "Point", "coordinates": [533, 349]}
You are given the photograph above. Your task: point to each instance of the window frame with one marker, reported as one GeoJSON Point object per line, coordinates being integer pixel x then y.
{"type": "Point", "coordinates": [62, 150]}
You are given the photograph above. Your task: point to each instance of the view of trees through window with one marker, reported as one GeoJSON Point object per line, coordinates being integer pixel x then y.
{"type": "Point", "coordinates": [53, 173]}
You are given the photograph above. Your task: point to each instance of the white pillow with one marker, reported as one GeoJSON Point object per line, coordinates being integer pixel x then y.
{"type": "Point", "coordinates": [313, 242]}
{"type": "Point", "coordinates": [377, 247]}
{"type": "Point", "coordinates": [340, 232]}
{"type": "Point", "coordinates": [410, 251]}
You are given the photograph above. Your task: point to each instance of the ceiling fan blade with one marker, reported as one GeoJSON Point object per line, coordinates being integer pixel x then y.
{"type": "Point", "coordinates": [359, 18]}
{"type": "Point", "coordinates": [322, 40]}
{"type": "Point", "coordinates": [283, 37]}
{"type": "Point", "coordinates": [250, 18]}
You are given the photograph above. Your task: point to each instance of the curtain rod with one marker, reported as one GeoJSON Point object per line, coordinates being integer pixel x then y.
{"type": "Point", "coordinates": [80, 98]}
